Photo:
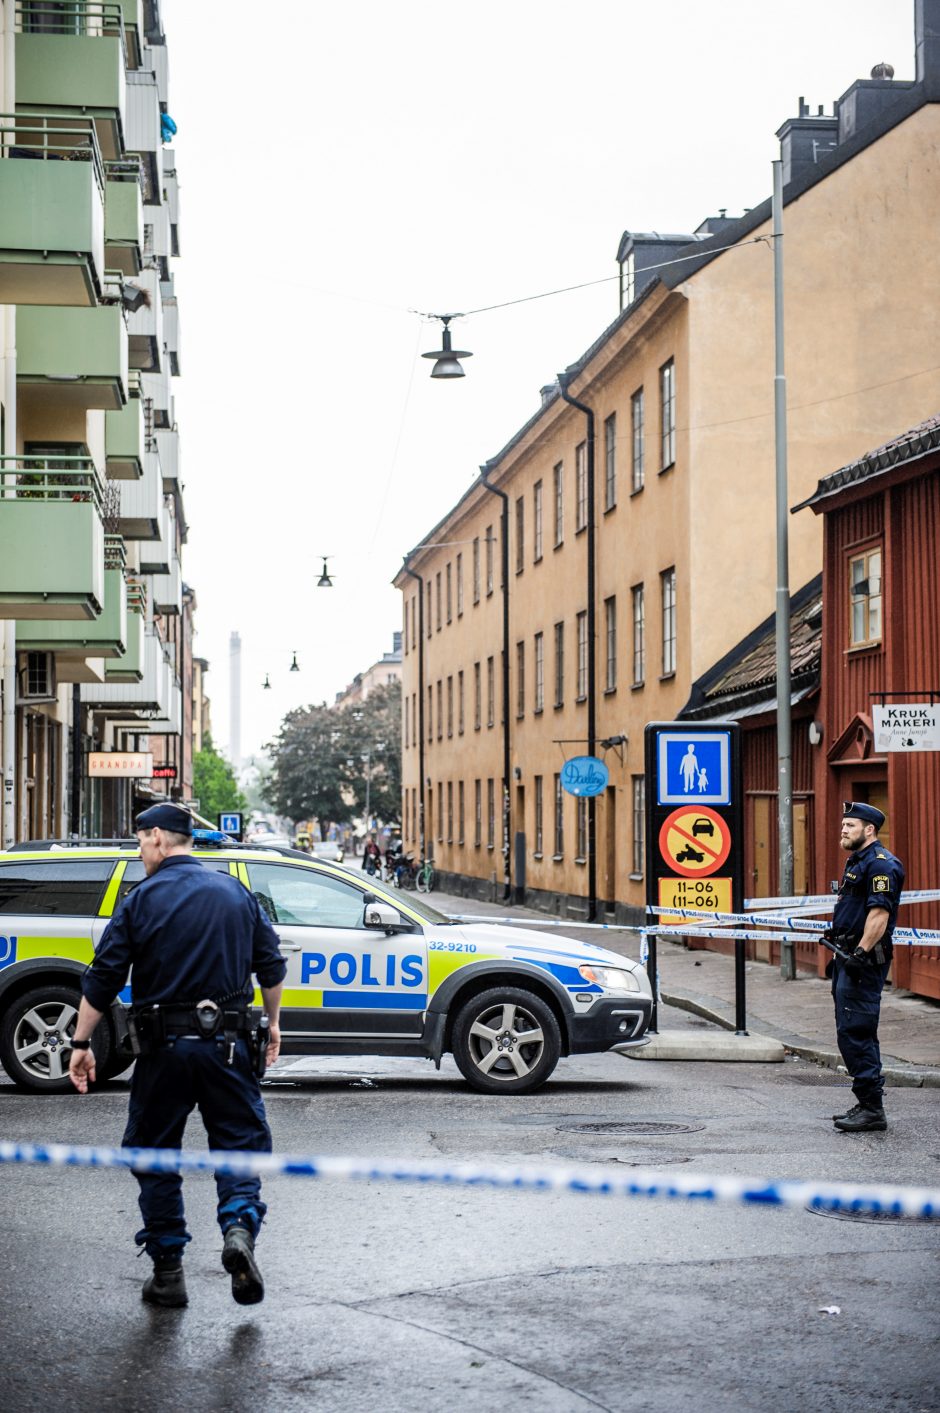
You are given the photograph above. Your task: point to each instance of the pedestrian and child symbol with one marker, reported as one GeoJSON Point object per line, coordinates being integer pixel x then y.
{"type": "Point", "coordinates": [694, 764]}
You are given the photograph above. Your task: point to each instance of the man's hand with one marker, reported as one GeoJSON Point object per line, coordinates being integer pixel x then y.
{"type": "Point", "coordinates": [274, 1042]}
{"type": "Point", "coordinates": [82, 1069]}
{"type": "Point", "coordinates": [857, 964]}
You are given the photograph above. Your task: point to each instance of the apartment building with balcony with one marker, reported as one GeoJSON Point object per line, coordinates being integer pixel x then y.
{"type": "Point", "coordinates": [637, 531]}
{"type": "Point", "coordinates": [94, 616]}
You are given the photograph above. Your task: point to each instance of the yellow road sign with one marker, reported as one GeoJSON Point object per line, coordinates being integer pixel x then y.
{"type": "Point", "coordinates": [712, 895]}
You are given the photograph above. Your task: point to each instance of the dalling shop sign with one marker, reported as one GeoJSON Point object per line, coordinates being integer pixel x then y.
{"type": "Point", "coordinates": [584, 776]}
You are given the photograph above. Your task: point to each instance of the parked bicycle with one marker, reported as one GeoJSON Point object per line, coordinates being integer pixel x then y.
{"type": "Point", "coordinates": [424, 881]}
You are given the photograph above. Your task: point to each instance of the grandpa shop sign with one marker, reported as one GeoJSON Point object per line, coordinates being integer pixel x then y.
{"type": "Point", "coordinates": [906, 726]}
{"type": "Point", "coordinates": [584, 776]}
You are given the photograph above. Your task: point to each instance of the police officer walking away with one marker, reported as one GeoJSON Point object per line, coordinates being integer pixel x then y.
{"type": "Point", "coordinates": [862, 925]}
{"type": "Point", "coordinates": [193, 938]}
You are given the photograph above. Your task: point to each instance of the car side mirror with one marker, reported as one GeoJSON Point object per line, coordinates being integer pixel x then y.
{"type": "Point", "coordinates": [383, 918]}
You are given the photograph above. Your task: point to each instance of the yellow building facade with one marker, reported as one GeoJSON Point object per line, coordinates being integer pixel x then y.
{"type": "Point", "coordinates": [681, 388]}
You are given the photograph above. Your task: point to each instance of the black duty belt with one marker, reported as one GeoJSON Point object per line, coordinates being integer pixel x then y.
{"type": "Point", "coordinates": [149, 1027]}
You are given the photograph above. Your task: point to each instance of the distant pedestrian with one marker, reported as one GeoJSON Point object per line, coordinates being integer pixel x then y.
{"type": "Point", "coordinates": [193, 938]}
{"type": "Point", "coordinates": [862, 925]}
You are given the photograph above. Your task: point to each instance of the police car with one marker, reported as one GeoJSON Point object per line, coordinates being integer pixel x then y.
{"type": "Point", "coordinates": [369, 971]}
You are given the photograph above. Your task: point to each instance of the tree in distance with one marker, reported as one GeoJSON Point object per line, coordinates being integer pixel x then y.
{"type": "Point", "coordinates": [214, 783]}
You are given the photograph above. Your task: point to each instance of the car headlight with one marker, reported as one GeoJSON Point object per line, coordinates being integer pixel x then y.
{"type": "Point", "coordinates": [611, 978]}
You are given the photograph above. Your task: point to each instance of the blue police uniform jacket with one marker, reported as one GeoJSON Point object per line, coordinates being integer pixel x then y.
{"type": "Point", "coordinates": [873, 878]}
{"type": "Point", "coordinates": [184, 933]}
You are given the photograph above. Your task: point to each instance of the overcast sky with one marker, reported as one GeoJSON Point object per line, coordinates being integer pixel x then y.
{"type": "Point", "coordinates": [341, 165]}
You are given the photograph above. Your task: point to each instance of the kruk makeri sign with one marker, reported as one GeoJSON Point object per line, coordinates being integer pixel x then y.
{"type": "Point", "coordinates": [906, 726]}
{"type": "Point", "coordinates": [121, 765]}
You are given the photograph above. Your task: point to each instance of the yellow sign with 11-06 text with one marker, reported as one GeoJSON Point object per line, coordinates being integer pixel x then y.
{"type": "Point", "coordinates": [711, 895]}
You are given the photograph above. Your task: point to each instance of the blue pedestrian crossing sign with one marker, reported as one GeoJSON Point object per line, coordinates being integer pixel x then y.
{"type": "Point", "coordinates": [693, 765]}
{"type": "Point", "coordinates": [231, 823]}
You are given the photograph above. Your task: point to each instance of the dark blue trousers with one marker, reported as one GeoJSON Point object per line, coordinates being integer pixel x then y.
{"type": "Point", "coordinates": [858, 1006]}
{"type": "Point", "coordinates": [165, 1089]}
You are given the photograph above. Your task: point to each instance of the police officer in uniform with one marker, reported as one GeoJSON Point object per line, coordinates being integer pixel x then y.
{"type": "Point", "coordinates": [193, 938]}
{"type": "Point", "coordinates": [862, 925]}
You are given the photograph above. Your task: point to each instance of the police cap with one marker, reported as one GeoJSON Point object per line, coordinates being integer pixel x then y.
{"type": "Point", "coordinates": [866, 813]}
{"type": "Point", "coordinates": [171, 817]}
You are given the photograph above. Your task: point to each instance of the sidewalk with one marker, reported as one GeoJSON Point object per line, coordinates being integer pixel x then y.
{"type": "Point", "coordinates": [798, 1013]}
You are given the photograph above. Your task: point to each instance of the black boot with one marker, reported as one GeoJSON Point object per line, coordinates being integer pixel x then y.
{"type": "Point", "coordinates": [849, 1113]}
{"type": "Point", "coordinates": [238, 1258]}
{"type": "Point", "coordinates": [167, 1285]}
{"type": "Point", "coordinates": [869, 1119]}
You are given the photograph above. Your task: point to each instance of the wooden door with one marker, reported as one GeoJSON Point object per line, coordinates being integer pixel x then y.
{"type": "Point", "coordinates": [760, 839]}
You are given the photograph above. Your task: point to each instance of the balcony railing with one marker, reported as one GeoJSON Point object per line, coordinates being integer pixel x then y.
{"type": "Point", "coordinates": [47, 137]}
{"type": "Point", "coordinates": [92, 19]}
{"type": "Point", "coordinates": [52, 478]}
{"type": "Point", "coordinates": [52, 533]}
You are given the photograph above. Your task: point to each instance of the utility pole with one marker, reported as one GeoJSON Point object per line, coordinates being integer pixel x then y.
{"type": "Point", "coordinates": [784, 732]}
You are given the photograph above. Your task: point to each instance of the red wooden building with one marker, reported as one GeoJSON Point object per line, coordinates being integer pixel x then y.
{"type": "Point", "coordinates": [881, 642]}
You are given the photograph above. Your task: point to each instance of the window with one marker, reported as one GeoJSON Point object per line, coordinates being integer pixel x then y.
{"type": "Point", "coordinates": [668, 585]}
{"type": "Point", "coordinates": [610, 461]}
{"type": "Point", "coordinates": [865, 598]}
{"type": "Point", "coordinates": [582, 820]}
{"type": "Point", "coordinates": [450, 811]}
{"type": "Point", "coordinates": [477, 698]}
{"type": "Point", "coordinates": [580, 486]}
{"type": "Point", "coordinates": [539, 816]}
{"type": "Point", "coordinates": [627, 280]}
{"type": "Point", "coordinates": [54, 888]}
{"type": "Point", "coordinates": [414, 622]}
{"type": "Point", "coordinates": [440, 812]}
{"type": "Point", "coordinates": [558, 482]}
{"type": "Point", "coordinates": [559, 664]}
{"type": "Point", "coordinates": [405, 633]}
{"type": "Point", "coordinates": [430, 818]}
{"type": "Point", "coordinates": [639, 825]}
{"type": "Point", "coordinates": [637, 416]}
{"type": "Point", "coordinates": [460, 714]}
{"type": "Point", "coordinates": [477, 814]}
{"type": "Point", "coordinates": [490, 815]}
{"type": "Point", "coordinates": [460, 812]}
{"type": "Point", "coordinates": [582, 685]}
{"type": "Point", "coordinates": [430, 712]}
{"type": "Point", "coordinates": [490, 691]}
{"type": "Point", "coordinates": [407, 742]}
{"type": "Point", "coordinates": [437, 583]}
{"type": "Point", "coordinates": [539, 673]}
{"type": "Point", "coordinates": [440, 709]}
{"type": "Point", "coordinates": [537, 522]}
{"type": "Point", "coordinates": [300, 897]}
{"type": "Point", "coordinates": [135, 873]}
{"type": "Point", "coordinates": [450, 592]}
{"type": "Point", "coordinates": [429, 609]}
{"type": "Point", "coordinates": [610, 637]}
{"type": "Point", "coordinates": [639, 635]}
{"type": "Point", "coordinates": [667, 413]}
{"type": "Point", "coordinates": [450, 706]}
{"type": "Point", "coordinates": [414, 719]}
{"type": "Point", "coordinates": [559, 818]}
{"type": "Point", "coordinates": [520, 679]}
{"type": "Point", "coordinates": [476, 570]}
{"type": "Point", "coordinates": [490, 541]}
{"type": "Point", "coordinates": [520, 534]}
{"type": "Point", "coordinates": [460, 585]}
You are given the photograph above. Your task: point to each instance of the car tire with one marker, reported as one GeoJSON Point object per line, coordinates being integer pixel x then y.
{"type": "Point", "coordinates": [487, 1033]}
{"type": "Point", "coordinates": [32, 1058]}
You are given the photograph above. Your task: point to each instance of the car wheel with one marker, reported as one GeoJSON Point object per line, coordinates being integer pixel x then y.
{"type": "Point", "coordinates": [506, 1041]}
{"type": "Point", "coordinates": [36, 1039]}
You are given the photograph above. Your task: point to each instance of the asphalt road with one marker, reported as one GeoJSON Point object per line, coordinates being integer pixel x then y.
{"type": "Point", "coordinates": [392, 1298]}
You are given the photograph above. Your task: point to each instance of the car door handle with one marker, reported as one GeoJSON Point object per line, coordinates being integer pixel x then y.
{"type": "Point", "coordinates": [291, 946]}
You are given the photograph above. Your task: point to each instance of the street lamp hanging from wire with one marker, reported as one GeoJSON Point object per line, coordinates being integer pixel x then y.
{"type": "Point", "coordinates": [447, 359]}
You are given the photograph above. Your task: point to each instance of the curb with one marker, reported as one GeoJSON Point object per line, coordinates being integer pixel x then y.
{"type": "Point", "coordinates": [896, 1072]}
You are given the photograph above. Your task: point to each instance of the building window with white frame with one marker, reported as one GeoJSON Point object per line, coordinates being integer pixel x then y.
{"type": "Point", "coordinates": [490, 814]}
{"type": "Point", "coordinates": [440, 619]}
{"type": "Point", "coordinates": [490, 541]}
{"type": "Point", "coordinates": [460, 703]}
{"type": "Point", "coordinates": [558, 486]}
{"type": "Point", "coordinates": [459, 577]}
{"type": "Point", "coordinates": [490, 691]}
{"type": "Point", "coordinates": [637, 441]}
{"type": "Point", "coordinates": [450, 706]}
{"type": "Point", "coordinates": [582, 821]}
{"type": "Point", "coordinates": [610, 461]}
{"type": "Point", "coordinates": [430, 712]}
{"type": "Point", "coordinates": [477, 813]}
{"type": "Point", "coordinates": [539, 816]}
{"type": "Point", "coordinates": [440, 709]}
{"type": "Point", "coordinates": [559, 818]}
{"type": "Point", "coordinates": [477, 697]}
{"type": "Point", "coordinates": [559, 664]}
{"type": "Point", "coordinates": [520, 680]}
{"type": "Point", "coordinates": [610, 638]}
{"type": "Point", "coordinates": [638, 598]}
{"type": "Point", "coordinates": [449, 572]}
{"type": "Point", "coordinates": [450, 811]}
{"type": "Point", "coordinates": [639, 826]}
{"type": "Point", "coordinates": [430, 628]}
{"type": "Point", "coordinates": [580, 487]}
{"type": "Point", "coordinates": [520, 534]}
{"type": "Point", "coordinates": [440, 812]}
{"type": "Point", "coordinates": [668, 589]}
{"type": "Point", "coordinates": [460, 812]}
{"type": "Point", "coordinates": [476, 570]}
{"type": "Point", "coordinates": [582, 685]}
{"type": "Point", "coordinates": [538, 672]}
{"type": "Point", "coordinates": [537, 522]}
{"type": "Point", "coordinates": [865, 599]}
{"type": "Point", "coordinates": [667, 409]}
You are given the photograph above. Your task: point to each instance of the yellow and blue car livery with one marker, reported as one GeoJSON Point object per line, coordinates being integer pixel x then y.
{"type": "Point", "coordinates": [370, 970]}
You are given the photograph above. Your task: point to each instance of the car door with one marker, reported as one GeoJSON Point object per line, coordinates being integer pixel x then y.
{"type": "Point", "coordinates": [343, 980]}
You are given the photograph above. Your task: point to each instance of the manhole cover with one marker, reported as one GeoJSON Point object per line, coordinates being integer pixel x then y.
{"type": "Point", "coordinates": [627, 1128]}
{"type": "Point", "coordinates": [823, 1079]}
{"type": "Point", "coordinates": [652, 1160]}
{"type": "Point", "coordinates": [878, 1218]}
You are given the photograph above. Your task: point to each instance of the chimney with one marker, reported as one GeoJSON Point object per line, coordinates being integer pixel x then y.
{"type": "Point", "coordinates": [926, 40]}
{"type": "Point", "coordinates": [805, 140]}
{"type": "Point", "coordinates": [547, 393]}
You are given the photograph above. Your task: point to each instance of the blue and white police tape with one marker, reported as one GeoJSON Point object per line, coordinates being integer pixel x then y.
{"type": "Point", "coordinates": [825, 902]}
{"type": "Point", "coordinates": [904, 936]}
{"type": "Point", "coordinates": [601, 1180]}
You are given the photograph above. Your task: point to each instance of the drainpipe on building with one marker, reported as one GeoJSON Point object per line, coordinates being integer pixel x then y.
{"type": "Point", "coordinates": [421, 841]}
{"type": "Point", "coordinates": [507, 743]}
{"type": "Point", "coordinates": [9, 448]}
{"type": "Point", "coordinates": [563, 380]}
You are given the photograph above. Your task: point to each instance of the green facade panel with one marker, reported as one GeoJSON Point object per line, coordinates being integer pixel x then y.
{"type": "Point", "coordinates": [70, 71]}
{"type": "Point", "coordinates": [104, 636]}
{"type": "Point", "coordinates": [56, 342]}
{"type": "Point", "coordinates": [124, 441]}
{"type": "Point", "coordinates": [48, 206]}
{"type": "Point", "coordinates": [123, 213]}
{"type": "Point", "coordinates": [130, 667]}
{"type": "Point", "coordinates": [52, 565]}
